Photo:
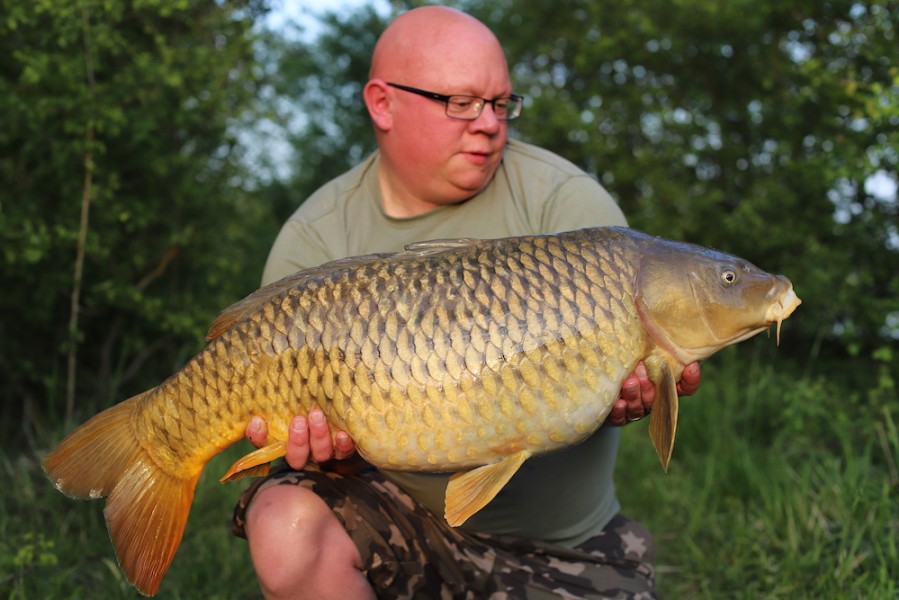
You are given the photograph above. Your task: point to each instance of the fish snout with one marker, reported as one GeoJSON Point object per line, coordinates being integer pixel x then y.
{"type": "Point", "coordinates": [784, 305]}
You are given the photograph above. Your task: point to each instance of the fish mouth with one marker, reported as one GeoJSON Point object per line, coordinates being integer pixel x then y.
{"type": "Point", "coordinates": [782, 308]}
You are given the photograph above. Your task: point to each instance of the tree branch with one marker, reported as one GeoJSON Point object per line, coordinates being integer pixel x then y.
{"type": "Point", "coordinates": [87, 192]}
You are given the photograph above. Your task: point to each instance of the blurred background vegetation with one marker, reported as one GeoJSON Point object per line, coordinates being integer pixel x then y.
{"type": "Point", "coordinates": [150, 150]}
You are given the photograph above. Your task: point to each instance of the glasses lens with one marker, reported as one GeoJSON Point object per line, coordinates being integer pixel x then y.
{"type": "Point", "coordinates": [470, 107]}
{"type": "Point", "coordinates": [505, 108]}
{"type": "Point", "coordinates": [463, 107]}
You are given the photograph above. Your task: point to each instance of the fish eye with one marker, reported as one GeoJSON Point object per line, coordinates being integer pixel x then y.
{"type": "Point", "coordinates": [728, 276]}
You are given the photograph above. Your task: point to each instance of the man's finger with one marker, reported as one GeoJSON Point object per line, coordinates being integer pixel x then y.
{"type": "Point", "coordinates": [343, 446]}
{"type": "Point", "coordinates": [320, 437]}
{"type": "Point", "coordinates": [690, 379]}
{"type": "Point", "coordinates": [257, 431]}
{"type": "Point", "coordinates": [297, 452]}
{"type": "Point", "coordinates": [630, 390]}
{"type": "Point", "coordinates": [617, 416]}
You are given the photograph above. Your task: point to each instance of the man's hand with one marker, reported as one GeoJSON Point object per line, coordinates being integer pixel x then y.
{"type": "Point", "coordinates": [307, 439]}
{"type": "Point", "coordinates": [638, 394]}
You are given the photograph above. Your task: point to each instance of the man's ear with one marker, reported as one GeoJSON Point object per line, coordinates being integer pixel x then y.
{"type": "Point", "coordinates": [376, 94]}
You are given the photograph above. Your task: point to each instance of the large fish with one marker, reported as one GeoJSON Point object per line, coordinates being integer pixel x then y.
{"type": "Point", "coordinates": [465, 356]}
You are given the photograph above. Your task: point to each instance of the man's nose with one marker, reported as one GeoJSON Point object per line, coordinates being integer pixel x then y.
{"type": "Point", "coordinates": [487, 120]}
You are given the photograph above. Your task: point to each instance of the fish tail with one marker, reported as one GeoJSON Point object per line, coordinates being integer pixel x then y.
{"type": "Point", "coordinates": [147, 507]}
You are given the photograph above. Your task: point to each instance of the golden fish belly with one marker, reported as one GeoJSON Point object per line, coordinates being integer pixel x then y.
{"type": "Point", "coordinates": [539, 401]}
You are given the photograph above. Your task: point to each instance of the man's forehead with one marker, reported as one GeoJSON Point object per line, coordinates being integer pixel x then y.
{"type": "Point", "coordinates": [435, 40]}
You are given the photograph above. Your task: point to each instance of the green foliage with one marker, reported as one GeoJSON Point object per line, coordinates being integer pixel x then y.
{"type": "Point", "coordinates": [143, 96]}
{"type": "Point", "coordinates": [55, 547]}
{"type": "Point", "coordinates": [23, 554]}
{"type": "Point", "coordinates": [315, 99]}
{"type": "Point", "coordinates": [753, 127]}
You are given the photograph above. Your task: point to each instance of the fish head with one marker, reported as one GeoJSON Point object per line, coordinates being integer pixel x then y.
{"type": "Point", "coordinates": [694, 301]}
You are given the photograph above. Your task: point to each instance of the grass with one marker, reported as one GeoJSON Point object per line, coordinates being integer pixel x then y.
{"type": "Point", "coordinates": [778, 488]}
{"type": "Point", "coordinates": [55, 547]}
{"type": "Point", "coordinates": [781, 486]}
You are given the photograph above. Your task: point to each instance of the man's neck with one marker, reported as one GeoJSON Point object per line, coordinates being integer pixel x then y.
{"type": "Point", "coordinates": [397, 201]}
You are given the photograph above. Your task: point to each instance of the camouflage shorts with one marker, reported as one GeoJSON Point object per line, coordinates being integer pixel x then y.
{"type": "Point", "coordinates": [408, 552]}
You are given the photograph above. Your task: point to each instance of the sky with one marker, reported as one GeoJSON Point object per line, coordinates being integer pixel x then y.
{"type": "Point", "coordinates": [285, 12]}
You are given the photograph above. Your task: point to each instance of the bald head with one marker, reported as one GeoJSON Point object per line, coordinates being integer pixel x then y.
{"type": "Point", "coordinates": [432, 43]}
{"type": "Point", "coordinates": [427, 158]}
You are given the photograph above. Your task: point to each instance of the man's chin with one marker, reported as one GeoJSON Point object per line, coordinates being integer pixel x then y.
{"type": "Point", "coordinates": [473, 182]}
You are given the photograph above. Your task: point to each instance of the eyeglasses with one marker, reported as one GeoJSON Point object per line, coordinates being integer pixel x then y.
{"type": "Point", "coordinates": [469, 108]}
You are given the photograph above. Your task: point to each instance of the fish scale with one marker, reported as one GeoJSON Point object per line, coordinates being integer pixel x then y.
{"type": "Point", "coordinates": [468, 356]}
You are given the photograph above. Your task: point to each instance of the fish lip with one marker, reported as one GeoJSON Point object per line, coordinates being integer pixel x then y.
{"type": "Point", "coordinates": [783, 308]}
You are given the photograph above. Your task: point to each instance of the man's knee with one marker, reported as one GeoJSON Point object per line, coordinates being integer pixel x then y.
{"type": "Point", "coordinates": [282, 510]}
{"type": "Point", "coordinates": [295, 539]}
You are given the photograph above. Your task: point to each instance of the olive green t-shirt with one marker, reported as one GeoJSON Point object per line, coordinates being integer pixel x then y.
{"type": "Point", "coordinates": [562, 497]}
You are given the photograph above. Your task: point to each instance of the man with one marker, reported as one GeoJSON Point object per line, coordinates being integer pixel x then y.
{"type": "Point", "coordinates": [444, 169]}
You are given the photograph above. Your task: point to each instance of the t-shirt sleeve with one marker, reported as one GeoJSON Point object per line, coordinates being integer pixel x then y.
{"type": "Point", "coordinates": [581, 202]}
{"type": "Point", "coordinates": [298, 246]}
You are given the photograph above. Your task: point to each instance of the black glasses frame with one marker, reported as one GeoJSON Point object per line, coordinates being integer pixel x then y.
{"type": "Point", "coordinates": [514, 98]}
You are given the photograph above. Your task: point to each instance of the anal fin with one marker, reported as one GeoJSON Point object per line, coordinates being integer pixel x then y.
{"type": "Point", "coordinates": [255, 463]}
{"type": "Point", "coordinates": [470, 491]}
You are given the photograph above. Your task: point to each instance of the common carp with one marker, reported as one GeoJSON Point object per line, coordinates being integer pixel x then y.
{"type": "Point", "coordinates": [465, 356]}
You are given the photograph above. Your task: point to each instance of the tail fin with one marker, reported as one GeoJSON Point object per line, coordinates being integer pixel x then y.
{"type": "Point", "coordinates": [147, 508]}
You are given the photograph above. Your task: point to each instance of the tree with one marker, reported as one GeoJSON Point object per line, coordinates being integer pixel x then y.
{"type": "Point", "coordinates": [315, 100]}
{"type": "Point", "coordinates": [754, 127]}
{"type": "Point", "coordinates": [121, 113]}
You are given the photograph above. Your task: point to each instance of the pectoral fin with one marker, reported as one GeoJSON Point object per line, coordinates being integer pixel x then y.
{"type": "Point", "coordinates": [469, 492]}
{"type": "Point", "coordinates": [663, 419]}
{"type": "Point", "coordinates": [255, 463]}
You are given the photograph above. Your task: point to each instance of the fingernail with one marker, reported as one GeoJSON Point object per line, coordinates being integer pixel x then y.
{"type": "Point", "coordinates": [317, 417]}
{"type": "Point", "coordinates": [298, 424]}
{"type": "Point", "coordinates": [255, 424]}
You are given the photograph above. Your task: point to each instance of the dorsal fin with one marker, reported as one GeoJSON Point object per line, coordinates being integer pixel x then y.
{"type": "Point", "coordinates": [242, 308]}
{"type": "Point", "coordinates": [432, 247]}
